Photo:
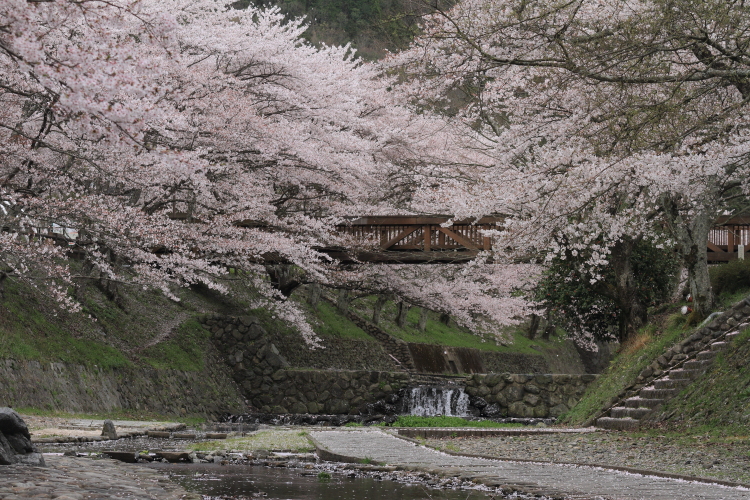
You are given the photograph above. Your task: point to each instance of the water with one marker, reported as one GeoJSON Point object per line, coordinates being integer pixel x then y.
{"type": "Point", "coordinates": [246, 481]}
{"type": "Point", "coordinates": [427, 401]}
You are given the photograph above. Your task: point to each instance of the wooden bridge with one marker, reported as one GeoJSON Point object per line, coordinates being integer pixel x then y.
{"type": "Point", "coordinates": [725, 239]}
{"type": "Point", "coordinates": [413, 240]}
{"type": "Point", "coordinates": [423, 239]}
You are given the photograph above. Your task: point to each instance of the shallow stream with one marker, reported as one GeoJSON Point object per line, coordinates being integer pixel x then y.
{"type": "Point", "coordinates": [248, 481]}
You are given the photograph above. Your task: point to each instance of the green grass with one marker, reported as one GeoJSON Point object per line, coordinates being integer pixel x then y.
{"type": "Point", "coordinates": [331, 323]}
{"type": "Point", "coordinates": [718, 403]}
{"type": "Point", "coordinates": [438, 333]}
{"type": "Point", "coordinates": [27, 333]}
{"type": "Point", "coordinates": [185, 351]}
{"type": "Point", "coordinates": [624, 369]}
{"type": "Point", "coordinates": [443, 421]}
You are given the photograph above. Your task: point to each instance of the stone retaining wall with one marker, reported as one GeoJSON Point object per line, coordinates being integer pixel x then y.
{"type": "Point", "coordinates": [77, 388]}
{"type": "Point", "coordinates": [535, 395]}
{"type": "Point", "coordinates": [242, 338]}
{"type": "Point", "coordinates": [326, 392]}
{"type": "Point", "coordinates": [274, 385]}
{"type": "Point", "coordinates": [502, 362]}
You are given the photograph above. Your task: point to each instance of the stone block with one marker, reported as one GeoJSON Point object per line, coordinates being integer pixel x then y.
{"type": "Point", "coordinates": [497, 388]}
{"type": "Point", "coordinates": [299, 408]}
{"type": "Point", "coordinates": [543, 379]}
{"type": "Point", "coordinates": [531, 399]}
{"type": "Point", "coordinates": [533, 389]}
{"type": "Point", "coordinates": [557, 410]}
{"type": "Point", "coordinates": [313, 407]}
{"type": "Point", "coordinates": [514, 393]}
{"type": "Point", "coordinates": [540, 411]}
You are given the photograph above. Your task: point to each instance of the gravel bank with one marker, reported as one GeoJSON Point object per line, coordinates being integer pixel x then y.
{"type": "Point", "coordinates": [727, 460]}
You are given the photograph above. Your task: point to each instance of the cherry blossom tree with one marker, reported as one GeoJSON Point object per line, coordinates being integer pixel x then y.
{"type": "Point", "coordinates": [589, 122]}
{"type": "Point", "coordinates": [180, 138]}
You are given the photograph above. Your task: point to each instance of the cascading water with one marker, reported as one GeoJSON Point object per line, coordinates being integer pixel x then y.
{"type": "Point", "coordinates": [429, 401]}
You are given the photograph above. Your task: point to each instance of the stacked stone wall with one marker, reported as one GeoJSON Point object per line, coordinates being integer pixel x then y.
{"type": "Point", "coordinates": [244, 340]}
{"type": "Point", "coordinates": [77, 388]}
{"type": "Point", "coordinates": [526, 395]}
{"type": "Point", "coordinates": [502, 362]}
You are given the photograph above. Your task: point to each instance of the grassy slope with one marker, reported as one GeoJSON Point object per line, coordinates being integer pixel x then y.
{"type": "Point", "coordinates": [633, 358]}
{"type": "Point", "coordinates": [148, 329]}
{"type": "Point", "coordinates": [439, 333]}
{"type": "Point", "coordinates": [719, 401]}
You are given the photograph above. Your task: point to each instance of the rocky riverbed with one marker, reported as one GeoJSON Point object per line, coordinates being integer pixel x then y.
{"type": "Point", "coordinates": [725, 459]}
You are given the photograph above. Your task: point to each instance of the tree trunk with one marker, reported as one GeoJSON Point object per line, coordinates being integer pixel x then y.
{"type": "Point", "coordinates": [533, 326]}
{"type": "Point", "coordinates": [624, 291]}
{"type": "Point", "coordinates": [403, 310]}
{"type": "Point", "coordinates": [343, 300]}
{"type": "Point", "coordinates": [692, 240]}
{"type": "Point", "coordinates": [633, 312]}
{"type": "Point", "coordinates": [422, 325]}
{"type": "Point", "coordinates": [313, 296]}
{"type": "Point", "coordinates": [283, 278]}
{"type": "Point", "coordinates": [378, 308]}
{"type": "Point", "coordinates": [445, 318]}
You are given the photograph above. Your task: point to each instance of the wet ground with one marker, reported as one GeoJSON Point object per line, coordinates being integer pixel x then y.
{"type": "Point", "coordinates": [243, 481]}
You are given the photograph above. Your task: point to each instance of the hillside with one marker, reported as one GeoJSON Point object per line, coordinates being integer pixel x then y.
{"type": "Point", "coordinates": [717, 400]}
{"type": "Point", "coordinates": [146, 328]}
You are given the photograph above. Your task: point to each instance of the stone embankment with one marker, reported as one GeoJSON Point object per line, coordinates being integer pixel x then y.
{"type": "Point", "coordinates": [274, 386]}
{"type": "Point", "coordinates": [674, 370]}
{"type": "Point", "coordinates": [90, 389]}
{"type": "Point", "coordinates": [516, 395]}
{"type": "Point", "coordinates": [243, 337]}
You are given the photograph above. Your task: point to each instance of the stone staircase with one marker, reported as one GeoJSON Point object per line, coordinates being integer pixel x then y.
{"type": "Point", "coordinates": [397, 349]}
{"type": "Point", "coordinates": [674, 370]}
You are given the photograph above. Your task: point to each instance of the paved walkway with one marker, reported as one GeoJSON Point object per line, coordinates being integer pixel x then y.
{"type": "Point", "coordinates": [558, 481]}
{"type": "Point", "coordinates": [67, 478]}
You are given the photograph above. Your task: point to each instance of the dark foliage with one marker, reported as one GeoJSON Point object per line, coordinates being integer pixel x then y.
{"type": "Point", "coordinates": [582, 306]}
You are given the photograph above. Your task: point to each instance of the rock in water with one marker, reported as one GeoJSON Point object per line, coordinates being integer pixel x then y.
{"type": "Point", "coordinates": [108, 430]}
{"type": "Point", "coordinates": [15, 441]}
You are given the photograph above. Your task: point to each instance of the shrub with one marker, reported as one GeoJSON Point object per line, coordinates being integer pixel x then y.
{"type": "Point", "coordinates": [730, 277]}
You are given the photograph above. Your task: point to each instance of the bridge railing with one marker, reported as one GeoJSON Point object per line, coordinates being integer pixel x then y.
{"type": "Point", "coordinates": [409, 234]}
{"type": "Point", "coordinates": [728, 239]}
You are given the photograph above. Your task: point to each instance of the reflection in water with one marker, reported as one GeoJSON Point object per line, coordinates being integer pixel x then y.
{"type": "Point", "coordinates": [290, 484]}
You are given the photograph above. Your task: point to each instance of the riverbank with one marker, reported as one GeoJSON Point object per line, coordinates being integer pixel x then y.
{"type": "Point", "coordinates": [67, 478]}
{"type": "Point", "coordinates": [725, 459]}
{"type": "Point", "coordinates": [721, 458]}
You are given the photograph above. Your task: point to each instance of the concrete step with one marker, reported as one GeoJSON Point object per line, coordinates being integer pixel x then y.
{"type": "Point", "coordinates": [670, 383]}
{"type": "Point", "coordinates": [625, 412]}
{"type": "Point", "coordinates": [731, 336]}
{"type": "Point", "coordinates": [654, 393]}
{"type": "Point", "coordinates": [638, 402]}
{"type": "Point", "coordinates": [697, 364]}
{"type": "Point", "coordinates": [706, 355]}
{"type": "Point", "coordinates": [684, 374]}
{"type": "Point", "coordinates": [618, 424]}
{"type": "Point", "coordinates": [719, 346]}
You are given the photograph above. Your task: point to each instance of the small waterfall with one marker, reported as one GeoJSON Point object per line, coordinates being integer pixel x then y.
{"type": "Point", "coordinates": [428, 401]}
